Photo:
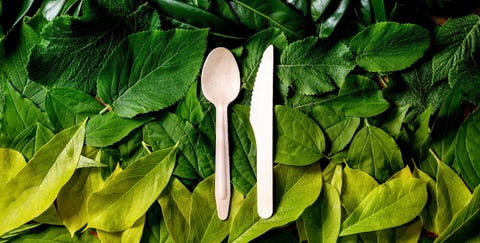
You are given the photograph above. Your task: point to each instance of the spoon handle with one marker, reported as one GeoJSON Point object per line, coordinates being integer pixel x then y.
{"type": "Point", "coordinates": [222, 163]}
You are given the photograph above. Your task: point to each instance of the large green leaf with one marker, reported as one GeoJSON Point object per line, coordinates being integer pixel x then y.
{"type": "Point", "coordinates": [258, 15]}
{"type": "Point", "coordinates": [392, 204]}
{"type": "Point", "coordinates": [356, 187]}
{"type": "Point", "coordinates": [465, 223]}
{"type": "Point", "coordinates": [390, 46]}
{"type": "Point", "coordinates": [36, 186]}
{"type": "Point", "coordinates": [73, 50]}
{"type": "Point", "coordinates": [290, 182]}
{"type": "Point", "coordinates": [466, 153]}
{"type": "Point", "coordinates": [151, 70]}
{"type": "Point", "coordinates": [300, 140]}
{"type": "Point", "coordinates": [128, 195]}
{"type": "Point", "coordinates": [54, 234]}
{"type": "Point", "coordinates": [359, 96]}
{"type": "Point", "coordinates": [313, 66]}
{"type": "Point", "coordinates": [452, 195]}
{"type": "Point", "coordinates": [67, 107]}
{"type": "Point", "coordinates": [323, 219]}
{"type": "Point", "coordinates": [196, 156]}
{"type": "Point", "coordinates": [243, 161]}
{"type": "Point", "coordinates": [30, 140]}
{"type": "Point", "coordinates": [458, 39]}
{"type": "Point", "coordinates": [11, 162]}
{"type": "Point", "coordinates": [72, 199]}
{"type": "Point", "coordinates": [375, 152]}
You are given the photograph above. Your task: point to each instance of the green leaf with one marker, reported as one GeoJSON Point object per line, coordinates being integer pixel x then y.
{"type": "Point", "coordinates": [458, 39]}
{"type": "Point", "coordinates": [30, 140]}
{"type": "Point", "coordinates": [323, 219]}
{"type": "Point", "coordinates": [11, 162]}
{"type": "Point", "coordinates": [356, 187]}
{"type": "Point", "coordinates": [392, 204]}
{"type": "Point", "coordinates": [464, 224]}
{"type": "Point", "coordinates": [359, 96]}
{"type": "Point", "coordinates": [467, 75]}
{"type": "Point", "coordinates": [258, 15]}
{"type": "Point", "coordinates": [36, 186]}
{"type": "Point", "coordinates": [430, 211]}
{"type": "Point", "coordinates": [300, 140]}
{"type": "Point", "coordinates": [72, 199]}
{"type": "Point", "coordinates": [132, 234]}
{"type": "Point", "coordinates": [17, 10]}
{"type": "Point", "coordinates": [391, 120]}
{"type": "Point", "coordinates": [67, 107]}
{"type": "Point", "coordinates": [452, 195]}
{"type": "Point", "coordinates": [73, 50]}
{"type": "Point", "coordinates": [157, 68]}
{"type": "Point", "coordinates": [243, 161]}
{"type": "Point", "coordinates": [389, 46]}
{"type": "Point", "coordinates": [176, 203]}
{"type": "Point", "coordinates": [196, 156]}
{"type": "Point", "coordinates": [407, 233]}
{"type": "Point", "coordinates": [107, 129]}
{"type": "Point", "coordinates": [317, 8]}
{"type": "Point", "coordinates": [205, 226]}
{"type": "Point", "coordinates": [339, 129]}
{"type": "Point", "coordinates": [290, 182]}
{"type": "Point", "coordinates": [328, 25]}
{"type": "Point", "coordinates": [128, 195]}
{"type": "Point", "coordinates": [19, 113]}
{"type": "Point", "coordinates": [466, 154]}
{"type": "Point", "coordinates": [375, 152]}
{"type": "Point", "coordinates": [54, 234]}
{"type": "Point", "coordinates": [378, 7]}
{"type": "Point", "coordinates": [313, 66]}
{"type": "Point", "coordinates": [253, 52]}
{"type": "Point", "coordinates": [190, 108]}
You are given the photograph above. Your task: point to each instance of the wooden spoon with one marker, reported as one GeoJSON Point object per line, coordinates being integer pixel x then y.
{"type": "Point", "coordinates": [221, 85]}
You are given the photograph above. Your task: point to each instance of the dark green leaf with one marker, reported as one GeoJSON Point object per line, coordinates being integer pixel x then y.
{"type": "Point", "coordinates": [458, 39]}
{"type": "Point", "coordinates": [106, 129]}
{"type": "Point", "coordinates": [300, 140]}
{"type": "Point", "coordinates": [328, 25]}
{"type": "Point", "coordinates": [467, 75]}
{"type": "Point", "coordinates": [73, 50]}
{"type": "Point", "coordinates": [313, 66]}
{"type": "Point", "coordinates": [466, 153]}
{"type": "Point", "coordinates": [151, 70]}
{"type": "Point", "coordinates": [378, 7]}
{"type": "Point", "coordinates": [16, 12]}
{"type": "Point", "coordinates": [190, 108]}
{"type": "Point", "coordinates": [375, 152]}
{"type": "Point", "coordinates": [390, 46]}
{"type": "Point", "coordinates": [317, 8]}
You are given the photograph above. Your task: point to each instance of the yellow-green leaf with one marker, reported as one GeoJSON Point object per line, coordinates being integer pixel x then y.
{"type": "Point", "coordinates": [11, 162]}
{"type": "Point", "coordinates": [132, 234]}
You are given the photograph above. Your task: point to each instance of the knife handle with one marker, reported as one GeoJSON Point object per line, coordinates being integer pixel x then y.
{"type": "Point", "coordinates": [222, 163]}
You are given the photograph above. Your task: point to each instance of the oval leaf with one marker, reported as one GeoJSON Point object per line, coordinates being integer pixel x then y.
{"type": "Point", "coordinates": [389, 46]}
{"type": "Point", "coordinates": [11, 162]}
{"type": "Point", "coordinates": [467, 154]}
{"type": "Point", "coordinates": [157, 68]}
{"type": "Point", "coordinates": [34, 189]}
{"type": "Point", "coordinates": [300, 140]}
{"type": "Point", "coordinates": [392, 204]}
{"type": "Point", "coordinates": [128, 195]}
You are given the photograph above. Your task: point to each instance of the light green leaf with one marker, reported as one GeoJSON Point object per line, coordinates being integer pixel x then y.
{"type": "Point", "coordinates": [375, 152]}
{"type": "Point", "coordinates": [243, 161]}
{"type": "Point", "coordinates": [128, 195]}
{"type": "Point", "coordinates": [464, 224]}
{"type": "Point", "coordinates": [11, 162]}
{"type": "Point", "coordinates": [72, 199]}
{"type": "Point", "coordinates": [290, 182]}
{"type": "Point", "coordinates": [359, 96]}
{"type": "Point", "coordinates": [466, 153]}
{"type": "Point", "coordinates": [132, 234]}
{"type": "Point", "coordinates": [458, 39]}
{"type": "Point", "coordinates": [54, 234]}
{"type": "Point", "coordinates": [73, 50]}
{"type": "Point", "coordinates": [430, 210]}
{"type": "Point", "coordinates": [300, 140]}
{"type": "Point", "coordinates": [205, 226]}
{"type": "Point", "coordinates": [452, 195]}
{"type": "Point", "coordinates": [157, 68]}
{"type": "Point", "coordinates": [196, 156]}
{"type": "Point", "coordinates": [339, 129]}
{"type": "Point", "coordinates": [356, 187]}
{"type": "Point", "coordinates": [313, 66]}
{"type": "Point", "coordinates": [30, 140]}
{"type": "Point", "coordinates": [253, 52]}
{"type": "Point", "coordinates": [392, 204]}
{"type": "Point", "coordinates": [36, 186]}
{"type": "Point", "coordinates": [176, 203]}
{"type": "Point", "coordinates": [407, 233]}
{"type": "Point", "coordinates": [323, 219]}
{"type": "Point", "coordinates": [389, 46]}
{"type": "Point", "coordinates": [67, 107]}
{"type": "Point", "coordinates": [107, 129]}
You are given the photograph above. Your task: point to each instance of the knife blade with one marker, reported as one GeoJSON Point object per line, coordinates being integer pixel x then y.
{"type": "Point", "coordinates": [261, 119]}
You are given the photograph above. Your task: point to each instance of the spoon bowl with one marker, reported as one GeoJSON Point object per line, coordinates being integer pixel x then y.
{"type": "Point", "coordinates": [221, 85]}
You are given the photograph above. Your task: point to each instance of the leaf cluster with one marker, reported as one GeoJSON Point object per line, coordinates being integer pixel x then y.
{"type": "Point", "coordinates": [105, 135]}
